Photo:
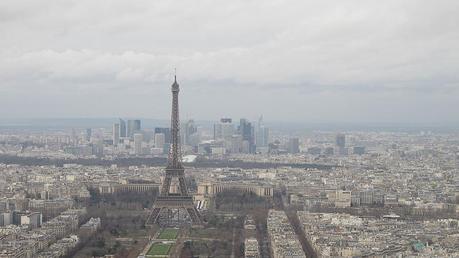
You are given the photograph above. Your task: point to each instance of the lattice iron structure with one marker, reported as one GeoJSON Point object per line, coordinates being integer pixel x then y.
{"type": "Point", "coordinates": [167, 205]}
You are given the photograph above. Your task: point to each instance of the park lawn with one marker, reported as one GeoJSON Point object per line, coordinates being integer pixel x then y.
{"type": "Point", "coordinates": [159, 249]}
{"type": "Point", "coordinates": [220, 234]}
{"type": "Point", "coordinates": [168, 234]}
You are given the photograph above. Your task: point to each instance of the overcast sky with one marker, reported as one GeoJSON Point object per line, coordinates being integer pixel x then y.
{"type": "Point", "coordinates": [320, 61]}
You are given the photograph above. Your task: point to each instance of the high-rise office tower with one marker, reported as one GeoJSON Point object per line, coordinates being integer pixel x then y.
{"type": "Point", "coordinates": [133, 126]}
{"type": "Point", "coordinates": [247, 132]}
{"type": "Point", "coordinates": [236, 143]}
{"type": "Point", "coordinates": [341, 144]}
{"type": "Point", "coordinates": [138, 138]}
{"type": "Point", "coordinates": [294, 145]}
{"type": "Point", "coordinates": [123, 132]}
{"type": "Point", "coordinates": [116, 134]}
{"type": "Point", "coordinates": [166, 131]}
{"type": "Point", "coordinates": [160, 140]}
{"type": "Point", "coordinates": [227, 128]}
{"type": "Point", "coordinates": [98, 147]}
{"type": "Point", "coordinates": [341, 140]}
{"type": "Point", "coordinates": [189, 131]}
{"type": "Point", "coordinates": [224, 129]}
{"type": "Point", "coordinates": [262, 135]}
{"type": "Point", "coordinates": [88, 134]}
{"type": "Point", "coordinates": [74, 137]}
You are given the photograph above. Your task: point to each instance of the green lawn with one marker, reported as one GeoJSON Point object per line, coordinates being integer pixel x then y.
{"type": "Point", "coordinates": [168, 234]}
{"type": "Point", "coordinates": [159, 249]}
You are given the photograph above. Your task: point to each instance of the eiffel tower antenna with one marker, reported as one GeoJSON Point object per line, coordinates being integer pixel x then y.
{"type": "Point", "coordinates": [167, 201]}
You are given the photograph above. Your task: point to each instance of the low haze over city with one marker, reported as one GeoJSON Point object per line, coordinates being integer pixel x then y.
{"type": "Point", "coordinates": [258, 129]}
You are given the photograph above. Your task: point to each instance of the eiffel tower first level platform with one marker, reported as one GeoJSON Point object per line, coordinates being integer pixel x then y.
{"type": "Point", "coordinates": [166, 211]}
{"type": "Point", "coordinates": [168, 207]}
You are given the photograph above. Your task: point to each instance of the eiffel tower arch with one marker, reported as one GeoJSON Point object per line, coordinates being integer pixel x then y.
{"type": "Point", "coordinates": [174, 208]}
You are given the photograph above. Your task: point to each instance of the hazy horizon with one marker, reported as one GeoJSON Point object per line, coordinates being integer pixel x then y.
{"type": "Point", "coordinates": [280, 126]}
{"type": "Point", "coordinates": [306, 61]}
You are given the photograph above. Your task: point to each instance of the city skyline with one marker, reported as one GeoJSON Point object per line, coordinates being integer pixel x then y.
{"type": "Point", "coordinates": [353, 61]}
{"type": "Point", "coordinates": [256, 129]}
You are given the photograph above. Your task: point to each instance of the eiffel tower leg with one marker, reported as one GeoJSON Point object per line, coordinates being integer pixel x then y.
{"type": "Point", "coordinates": [153, 217]}
{"type": "Point", "coordinates": [166, 185]}
{"type": "Point", "coordinates": [183, 188]}
{"type": "Point", "coordinates": [194, 215]}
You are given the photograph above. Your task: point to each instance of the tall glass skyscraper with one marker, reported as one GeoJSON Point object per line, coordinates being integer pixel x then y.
{"type": "Point", "coordinates": [133, 127]}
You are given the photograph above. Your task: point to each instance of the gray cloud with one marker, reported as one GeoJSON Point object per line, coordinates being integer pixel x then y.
{"type": "Point", "coordinates": [337, 60]}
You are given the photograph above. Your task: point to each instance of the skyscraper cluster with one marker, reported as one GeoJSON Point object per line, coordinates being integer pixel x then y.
{"type": "Point", "coordinates": [133, 126]}
{"type": "Point", "coordinates": [129, 137]}
{"type": "Point", "coordinates": [246, 138]}
{"type": "Point", "coordinates": [123, 133]}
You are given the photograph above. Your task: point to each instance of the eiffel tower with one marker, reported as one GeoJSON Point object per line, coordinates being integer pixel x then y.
{"type": "Point", "coordinates": [167, 205]}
